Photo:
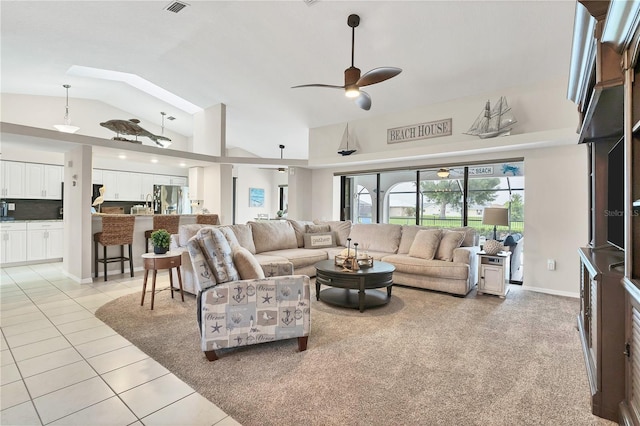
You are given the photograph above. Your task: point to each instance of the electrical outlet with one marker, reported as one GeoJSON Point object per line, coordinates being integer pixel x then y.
{"type": "Point", "coordinates": [551, 264]}
{"type": "Point", "coordinates": [11, 206]}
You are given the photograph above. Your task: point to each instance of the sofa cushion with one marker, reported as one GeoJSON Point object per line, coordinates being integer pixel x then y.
{"type": "Point", "coordinates": [340, 227]}
{"type": "Point", "coordinates": [246, 264]}
{"type": "Point", "coordinates": [200, 266]}
{"type": "Point", "coordinates": [299, 257]}
{"type": "Point", "coordinates": [425, 244]}
{"type": "Point", "coordinates": [217, 253]}
{"type": "Point", "coordinates": [319, 240]}
{"type": "Point", "coordinates": [470, 235]}
{"type": "Point", "coordinates": [270, 236]}
{"type": "Point", "coordinates": [430, 268]}
{"type": "Point", "coordinates": [316, 229]}
{"type": "Point", "coordinates": [299, 227]}
{"type": "Point", "coordinates": [408, 234]}
{"type": "Point", "coordinates": [244, 235]}
{"type": "Point", "coordinates": [186, 232]}
{"type": "Point", "coordinates": [381, 237]}
{"type": "Point", "coordinates": [450, 241]}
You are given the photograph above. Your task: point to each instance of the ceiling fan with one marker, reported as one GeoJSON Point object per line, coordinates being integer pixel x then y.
{"type": "Point", "coordinates": [278, 169]}
{"type": "Point", "coordinates": [352, 79]}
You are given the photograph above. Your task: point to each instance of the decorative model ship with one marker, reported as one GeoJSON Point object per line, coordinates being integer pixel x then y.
{"type": "Point", "coordinates": [492, 122]}
{"type": "Point", "coordinates": [344, 149]}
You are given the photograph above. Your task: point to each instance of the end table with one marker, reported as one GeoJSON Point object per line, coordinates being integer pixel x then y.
{"type": "Point", "coordinates": [161, 261]}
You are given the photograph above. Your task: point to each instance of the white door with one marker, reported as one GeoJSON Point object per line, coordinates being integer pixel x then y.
{"type": "Point", "coordinates": [110, 183]}
{"type": "Point", "coordinates": [493, 278]}
{"type": "Point", "coordinates": [14, 246]}
{"type": "Point", "coordinates": [36, 244]}
{"type": "Point", "coordinates": [53, 182]}
{"type": "Point", "coordinates": [55, 243]}
{"type": "Point", "coordinates": [34, 176]}
{"type": "Point", "coordinates": [13, 179]}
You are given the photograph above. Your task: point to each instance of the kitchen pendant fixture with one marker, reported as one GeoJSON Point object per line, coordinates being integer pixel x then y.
{"type": "Point", "coordinates": [66, 127]}
{"type": "Point", "coordinates": [164, 143]}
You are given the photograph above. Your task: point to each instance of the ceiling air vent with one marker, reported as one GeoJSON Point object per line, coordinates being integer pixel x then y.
{"type": "Point", "coordinates": [310, 2]}
{"type": "Point", "coordinates": [176, 6]}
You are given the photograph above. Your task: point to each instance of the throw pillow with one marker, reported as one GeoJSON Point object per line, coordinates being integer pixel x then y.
{"type": "Point", "coordinates": [341, 228]}
{"type": "Point", "coordinates": [217, 252]}
{"type": "Point", "coordinates": [314, 229]}
{"type": "Point", "coordinates": [201, 270]}
{"type": "Point", "coordinates": [425, 243]}
{"type": "Point", "coordinates": [319, 240]}
{"type": "Point", "coordinates": [450, 240]}
{"type": "Point", "coordinates": [246, 264]}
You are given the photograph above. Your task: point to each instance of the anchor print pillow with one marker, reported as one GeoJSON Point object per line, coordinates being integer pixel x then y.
{"type": "Point", "coordinates": [217, 252]}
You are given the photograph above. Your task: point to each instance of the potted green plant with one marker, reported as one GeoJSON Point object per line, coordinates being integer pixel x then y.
{"type": "Point", "coordinates": [160, 240]}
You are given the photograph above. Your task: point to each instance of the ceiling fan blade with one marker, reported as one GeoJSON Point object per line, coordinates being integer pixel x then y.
{"type": "Point", "coordinates": [364, 101]}
{"type": "Point", "coordinates": [378, 75]}
{"type": "Point", "coordinates": [331, 86]}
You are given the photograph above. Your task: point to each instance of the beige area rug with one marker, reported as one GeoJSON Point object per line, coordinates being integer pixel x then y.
{"type": "Point", "coordinates": [424, 359]}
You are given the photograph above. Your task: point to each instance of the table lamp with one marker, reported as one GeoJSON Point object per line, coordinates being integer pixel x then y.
{"type": "Point", "coordinates": [496, 216]}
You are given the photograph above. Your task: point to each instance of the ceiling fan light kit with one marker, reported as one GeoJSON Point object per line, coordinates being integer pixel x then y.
{"type": "Point", "coordinates": [353, 81]}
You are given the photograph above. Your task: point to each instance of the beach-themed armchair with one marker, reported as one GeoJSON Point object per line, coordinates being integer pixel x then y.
{"type": "Point", "coordinates": [233, 311]}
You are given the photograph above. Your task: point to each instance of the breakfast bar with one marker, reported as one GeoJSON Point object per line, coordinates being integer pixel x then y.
{"type": "Point", "coordinates": [143, 223]}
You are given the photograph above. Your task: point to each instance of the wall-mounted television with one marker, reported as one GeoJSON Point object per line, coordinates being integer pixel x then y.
{"type": "Point", "coordinates": [615, 196]}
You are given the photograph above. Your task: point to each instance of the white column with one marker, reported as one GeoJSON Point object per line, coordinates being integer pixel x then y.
{"type": "Point", "coordinates": [218, 191]}
{"type": "Point", "coordinates": [209, 131]}
{"type": "Point", "coordinates": [77, 214]}
{"type": "Point", "coordinates": [300, 192]}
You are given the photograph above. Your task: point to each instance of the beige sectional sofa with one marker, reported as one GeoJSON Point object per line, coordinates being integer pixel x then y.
{"type": "Point", "coordinates": [278, 244]}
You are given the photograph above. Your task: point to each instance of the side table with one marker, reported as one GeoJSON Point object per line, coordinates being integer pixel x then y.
{"type": "Point", "coordinates": [161, 261]}
{"type": "Point", "coordinates": [493, 273]}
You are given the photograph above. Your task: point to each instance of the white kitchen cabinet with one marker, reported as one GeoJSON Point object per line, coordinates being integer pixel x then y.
{"type": "Point", "coordinates": [44, 240]}
{"type": "Point", "coordinates": [161, 180]}
{"type": "Point", "coordinates": [179, 180]}
{"type": "Point", "coordinates": [13, 242]}
{"type": "Point", "coordinates": [43, 181]}
{"type": "Point", "coordinates": [493, 273]}
{"type": "Point", "coordinates": [110, 183]}
{"type": "Point", "coordinates": [147, 187]}
{"type": "Point", "coordinates": [96, 176]}
{"type": "Point", "coordinates": [12, 175]}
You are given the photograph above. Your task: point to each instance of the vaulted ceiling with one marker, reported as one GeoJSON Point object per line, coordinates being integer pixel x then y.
{"type": "Point", "coordinates": [248, 54]}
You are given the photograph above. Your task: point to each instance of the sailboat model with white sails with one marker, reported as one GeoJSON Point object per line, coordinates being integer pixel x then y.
{"type": "Point", "coordinates": [344, 148]}
{"type": "Point", "coordinates": [492, 122]}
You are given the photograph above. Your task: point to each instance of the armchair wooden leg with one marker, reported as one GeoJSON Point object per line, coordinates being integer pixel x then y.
{"type": "Point", "coordinates": [211, 355]}
{"type": "Point", "coordinates": [302, 343]}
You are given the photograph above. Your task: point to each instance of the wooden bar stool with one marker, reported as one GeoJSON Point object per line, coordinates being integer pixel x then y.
{"type": "Point", "coordinates": [117, 230]}
{"type": "Point", "coordinates": [208, 219]}
{"type": "Point", "coordinates": [168, 222]}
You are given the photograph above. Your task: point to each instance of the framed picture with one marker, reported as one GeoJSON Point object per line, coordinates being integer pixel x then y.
{"type": "Point", "coordinates": [256, 197]}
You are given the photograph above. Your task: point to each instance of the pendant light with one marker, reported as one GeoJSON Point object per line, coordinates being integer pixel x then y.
{"type": "Point", "coordinates": [164, 143]}
{"type": "Point", "coordinates": [443, 173]}
{"type": "Point", "coordinates": [66, 127]}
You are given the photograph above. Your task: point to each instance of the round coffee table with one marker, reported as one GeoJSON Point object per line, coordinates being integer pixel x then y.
{"type": "Point", "coordinates": [354, 289]}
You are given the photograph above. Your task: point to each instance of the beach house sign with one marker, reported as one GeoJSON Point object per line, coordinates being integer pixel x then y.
{"type": "Point", "coordinates": [432, 129]}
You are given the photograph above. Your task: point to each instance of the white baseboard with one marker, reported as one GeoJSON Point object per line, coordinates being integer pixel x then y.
{"type": "Point", "coordinates": [554, 292]}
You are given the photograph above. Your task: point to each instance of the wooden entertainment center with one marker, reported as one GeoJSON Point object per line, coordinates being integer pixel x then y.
{"type": "Point", "coordinates": [604, 83]}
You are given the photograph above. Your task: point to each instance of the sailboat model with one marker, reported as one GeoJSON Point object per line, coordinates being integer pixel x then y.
{"type": "Point", "coordinates": [344, 148]}
{"type": "Point", "coordinates": [492, 122]}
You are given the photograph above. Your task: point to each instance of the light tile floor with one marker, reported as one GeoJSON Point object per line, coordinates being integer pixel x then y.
{"type": "Point", "coordinates": [60, 365]}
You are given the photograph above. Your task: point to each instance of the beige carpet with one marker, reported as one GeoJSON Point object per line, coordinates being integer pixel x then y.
{"type": "Point", "coordinates": [424, 359]}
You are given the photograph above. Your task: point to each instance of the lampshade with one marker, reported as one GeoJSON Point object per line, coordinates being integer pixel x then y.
{"type": "Point", "coordinates": [66, 127]}
{"type": "Point", "coordinates": [495, 216]}
{"type": "Point", "coordinates": [443, 173]}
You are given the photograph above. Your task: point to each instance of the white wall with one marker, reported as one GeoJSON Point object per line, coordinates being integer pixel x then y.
{"type": "Point", "coordinates": [45, 111]}
{"type": "Point", "coordinates": [255, 177]}
{"type": "Point", "coordinates": [543, 113]}
{"type": "Point", "coordinates": [556, 208]}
